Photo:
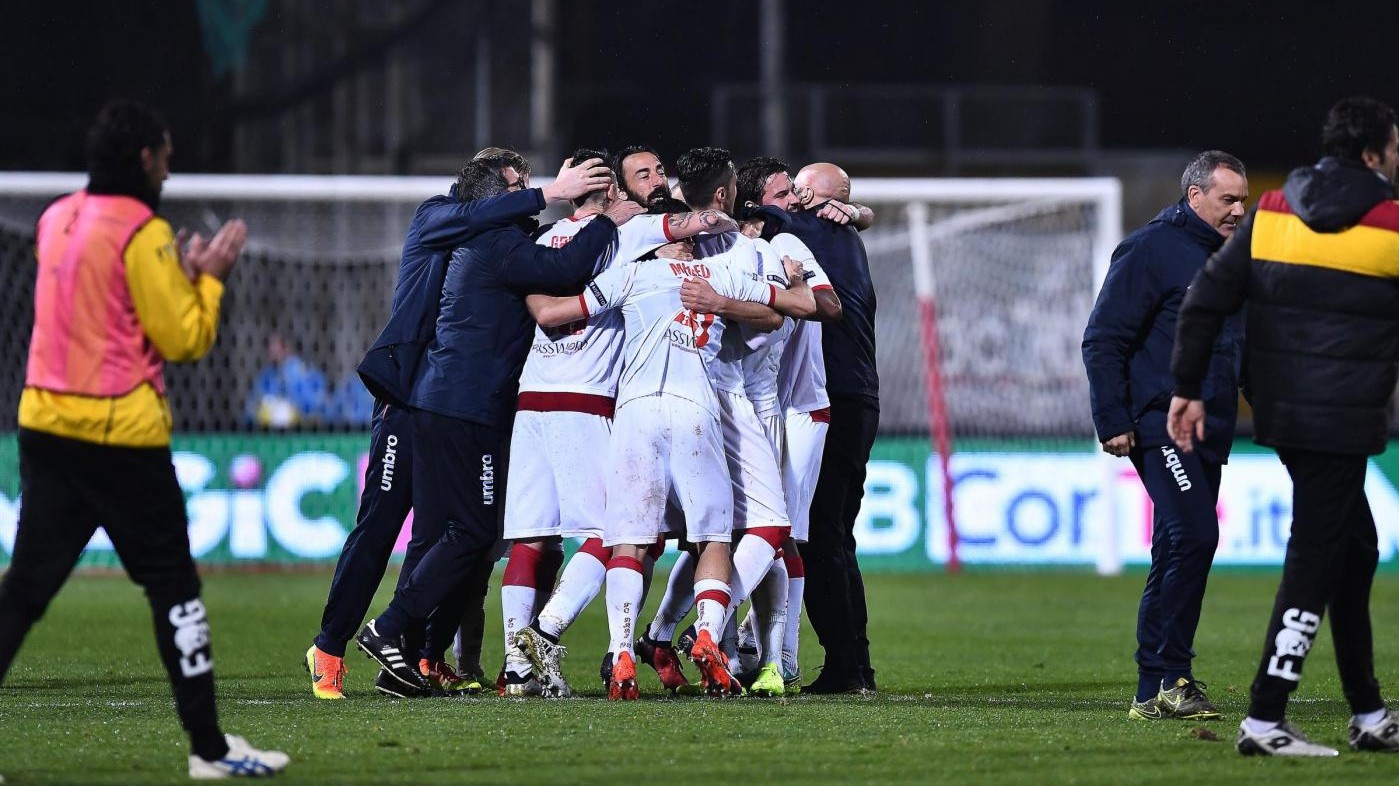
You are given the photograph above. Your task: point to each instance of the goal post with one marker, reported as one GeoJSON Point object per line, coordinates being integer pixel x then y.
{"type": "Point", "coordinates": [967, 241]}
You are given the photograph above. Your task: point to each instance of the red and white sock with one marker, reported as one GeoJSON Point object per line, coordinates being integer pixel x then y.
{"type": "Point", "coordinates": [712, 602]}
{"type": "Point", "coordinates": [623, 602]}
{"type": "Point", "coordinates": [517, 594]}
{"type": "Point", "coordinates": [753, 558]}
{"type": "Point", "coordinates": [679, 598]}
{"type": "Point", "coordinates": [581, 580]}
{"type": "Point", "coordinates": [796, 586]}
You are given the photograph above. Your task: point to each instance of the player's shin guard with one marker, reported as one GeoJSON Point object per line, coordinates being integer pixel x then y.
{"type": "Point", "coordinates": [796, 586]}
{"type": "Point", "coordinates": [712, 599]}
{"type": "Point", "coordinates": [623, 602]}
{"type": "Point", "coordinates": [679, 598]}
{"type": "Point", "coordinates": [581, 581]}
{"type": "Point", "coordinates": [517, 596]}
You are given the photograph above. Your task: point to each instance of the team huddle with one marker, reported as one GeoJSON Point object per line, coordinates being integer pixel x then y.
{"type": "Point", "coordinates": [675, 389]}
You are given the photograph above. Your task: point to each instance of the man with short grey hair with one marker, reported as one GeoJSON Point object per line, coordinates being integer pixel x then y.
{"type": "Point", "coordinates": [1127, 353]}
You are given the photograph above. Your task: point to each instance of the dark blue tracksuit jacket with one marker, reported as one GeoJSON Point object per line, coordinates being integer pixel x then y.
{"type": "Point", "coordinates": [471, 370]}
{"type": "Point", "coordinates": [439, 226]}
{"type": "Point", "coordinates": [1131, 332]}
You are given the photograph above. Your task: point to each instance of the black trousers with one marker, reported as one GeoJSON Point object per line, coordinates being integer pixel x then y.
{"type": "Point", "coordinates": [835, 589]}
{"type": "Point", "coordinates": [1184, 490]}
{"type": "Point", "coordinates": [383, 505]}
{"type": "Point", "coordinates": [456, 464]}
{"type": "Point", "coordinates": [1330, 565]}
{"type": "Point", "coordinates": [68, 488]}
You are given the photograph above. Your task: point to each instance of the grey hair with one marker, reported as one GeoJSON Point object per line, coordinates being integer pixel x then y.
{"type": "Point", "coordinates": [1200, 171]}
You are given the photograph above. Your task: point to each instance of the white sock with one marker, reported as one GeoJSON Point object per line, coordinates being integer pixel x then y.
{"type": "Point", "coordinates": [752, 560]}
{"type": "Point", "coordinates": [795, 588]}
{"type": "Point", "coordinates": [712, 600]}
{"type": "Point", "coordinates": [729, 644]}
{"type": "Point", "coordinates": [1370, 718]}
{"type": "Point", "coordinates": [770, 612]}
{"type": "Point", "coordinates": [679, 598]}
{"type": "Point", "coordinates": [579, 583]}
{"type": "Point", "coordinates": [1256, 726]}
{"type": "Point", "coordinates": [623, 602]}
{"type": "Point", "coordinates": [516, 611]}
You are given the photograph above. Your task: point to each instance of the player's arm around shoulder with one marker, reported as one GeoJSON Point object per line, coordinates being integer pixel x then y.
{"type": "Point", "coordinates": [828, 307]}
{"type": "Point", "coordinates": [177, 294]}
{"type": "Point", "coordinates": [603, 293]}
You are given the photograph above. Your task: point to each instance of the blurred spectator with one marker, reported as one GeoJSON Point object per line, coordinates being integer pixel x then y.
{"type": "Point", "coordinates": [288, 392]}
{"type": "Point", "coordinates": [351, 405]}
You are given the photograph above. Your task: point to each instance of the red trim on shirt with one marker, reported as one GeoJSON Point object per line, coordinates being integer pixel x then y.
{"type": "Point", "coordinates": [665, 227]}
{"type": "Point", "coordinates": [822, 415]}
{"type": "Point", "coordinates": [1274, 202]}
{"type": "Point", "coordinates": [772, 295]}
{"type": "Point", "coordinates": [584, 302]}
{"type": "Point", "coordinates": [820, 287]}
{"type": "Point", "coordinates": [587, 403]}
{"type": "Point", "coordinates": [1385, 215]}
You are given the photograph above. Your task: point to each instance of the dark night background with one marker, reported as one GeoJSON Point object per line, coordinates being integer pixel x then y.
{"type": "Point", "coordinates": [1252, 78]}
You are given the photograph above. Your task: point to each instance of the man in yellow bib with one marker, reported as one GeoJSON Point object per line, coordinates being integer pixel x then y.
{"type": "Point", "coordinates": [114, 299]}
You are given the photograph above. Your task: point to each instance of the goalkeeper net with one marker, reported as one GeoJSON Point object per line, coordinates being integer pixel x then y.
{"type": "Point", "coordinates": [270, 427]}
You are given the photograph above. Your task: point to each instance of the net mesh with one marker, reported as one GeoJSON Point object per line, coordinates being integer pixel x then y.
{"type": "Point", "coordinates": [271, 455]}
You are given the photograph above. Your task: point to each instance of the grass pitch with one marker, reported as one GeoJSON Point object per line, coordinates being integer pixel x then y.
{"type": "Point", "coordinates": [985, 678]}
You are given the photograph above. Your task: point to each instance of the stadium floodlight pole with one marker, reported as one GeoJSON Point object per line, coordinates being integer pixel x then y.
{"type": "Point", "coordinates": [925, 287]}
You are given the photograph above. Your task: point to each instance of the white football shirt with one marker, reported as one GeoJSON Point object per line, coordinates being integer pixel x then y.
{"type": "Point", "coordinates": [667, 347]}
{"type": "Point", "coordinates": [584, 356]}
{"type": "Point", "coordinates": [801, 375]}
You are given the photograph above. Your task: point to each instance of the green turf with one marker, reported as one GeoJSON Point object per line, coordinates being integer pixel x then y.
{"type": "Point", "coordinates": [984, 678]}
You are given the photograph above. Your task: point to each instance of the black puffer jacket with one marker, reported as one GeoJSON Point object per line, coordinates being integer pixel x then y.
{"type": "Point", "coordinates": [1318, 264]}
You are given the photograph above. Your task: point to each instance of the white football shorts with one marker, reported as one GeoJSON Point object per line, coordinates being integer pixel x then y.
{"type": "Point", "coordinates": [666, 448]}
{"type": "Point", "coordinates": [806, 440]}
{"type": "Point", "coordinates": [557, 484]}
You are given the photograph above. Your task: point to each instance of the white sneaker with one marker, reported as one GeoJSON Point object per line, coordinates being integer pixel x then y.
{"type": "Point", "coordinates": [1381, 736]}
{"type": "Point", "coordinates": [1283, 740]}
{"type": "Point", "coordinates": [241, 761]}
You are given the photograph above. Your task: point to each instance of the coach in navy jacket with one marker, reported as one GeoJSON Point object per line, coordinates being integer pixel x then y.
{"type": "Point", "coordinates": [462, 402]}
{"type": "Point", "coordinates": [1127, 352]}
{"type": "Point", "coordinates": [440, 224]}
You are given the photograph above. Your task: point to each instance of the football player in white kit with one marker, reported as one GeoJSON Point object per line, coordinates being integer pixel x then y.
{"type": "Point", "coordinates": [745, 383]}
{"type": "Point", "coordinates": [667, 443]}
{"type": "Point", "coordinates": [566, 400]}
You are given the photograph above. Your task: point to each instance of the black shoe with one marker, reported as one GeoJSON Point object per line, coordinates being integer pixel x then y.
{"type": "Point", "coordinates": [604, 671]}
{"type": "Point", "coordinates": [869, 680]}
{"type": "Point", "coordinates": [831, 682]}
{"type": "Point", "coordinates": [388, 652]}
{"type": "Point", "coordinates": [686, 642]}
{"type": "Point", "coordinates": [389, 685]}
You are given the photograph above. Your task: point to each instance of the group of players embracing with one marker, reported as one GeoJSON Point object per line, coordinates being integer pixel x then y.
{"type": "Point", "coordinates": [681, 394]}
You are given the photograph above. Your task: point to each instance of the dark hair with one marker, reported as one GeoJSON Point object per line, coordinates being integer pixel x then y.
{"type": "Point", "coordinates": [114, 144]}
{"type": "Point", "coordinates": [753, 177]}
{"type": "Point", "coordinates": [1200, 171]}
{"type": "Point", "coordinates": [630, 150]}
{"type": "Point", "coordinates": [478, 180]}
{"type": "Point", "coordinates": [701, 171]}
{"type": "Point", "coordinates": [1355, 125]}
{"type": "Point", "coordinates": [583, 154]}
{"type": "Point", "coordinates": [500, 158]}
